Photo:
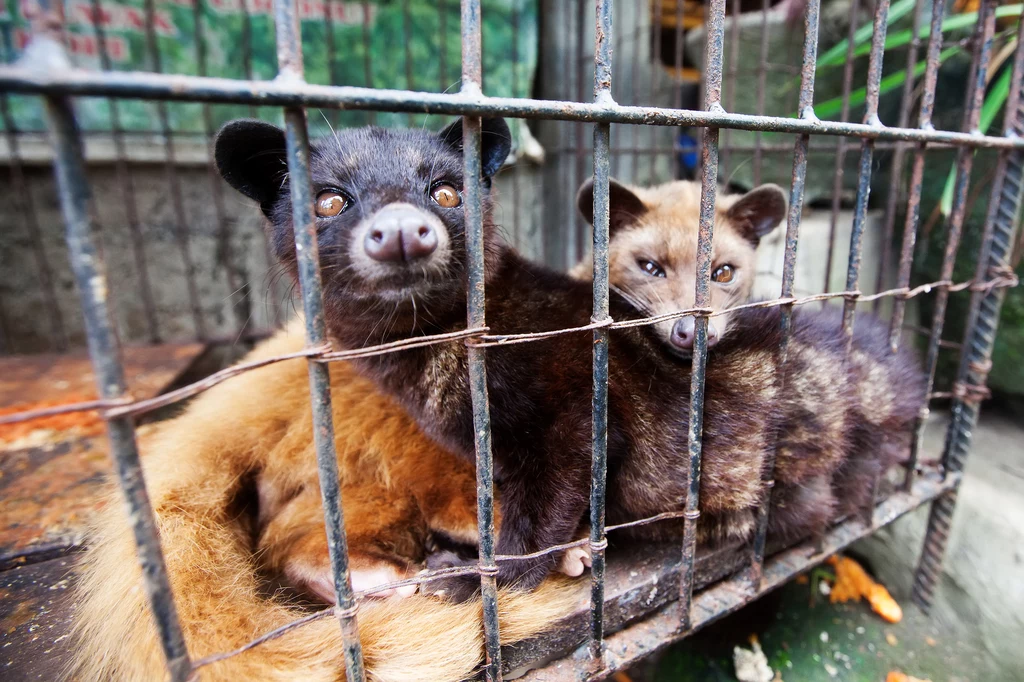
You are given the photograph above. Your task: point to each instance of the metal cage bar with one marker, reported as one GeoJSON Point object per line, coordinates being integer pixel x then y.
{"type": "Point", "coordinates": [709, 186]}
{"type": "Point", "coordinates": [290, 91]}
{"type": "Point", "coordinates": [965, 159]}
{"type": "Point", "coordinates": [104, 351]}
{"type": "Point", "coordinates": [599, 409]}
{"type": "Point", "coordinates": [913, 217]}
{"type": "Point", "coordinates": [1001, 227]}
{"type": "Point", "coordinates": [472, 75]}
{"type": "Point", "coordinates": [796, 207]}
{"type": "Point", "coordinates": [290, 69]}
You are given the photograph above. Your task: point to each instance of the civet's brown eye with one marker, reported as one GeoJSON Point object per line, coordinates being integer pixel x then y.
{"type": "Point", "coordinates": [446, 196]}
{"type": "Point", "coordinates": [330, 204]}
{"type": "Point", "coordinates": [651, 268]}
{"type": "Point", "coordinates": [723, 274]}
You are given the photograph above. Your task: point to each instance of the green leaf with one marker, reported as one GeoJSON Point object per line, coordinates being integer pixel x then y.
{"type": "Point", "coordinates": [831, 107]}
{"type": "Point", "coordinates": [994, 101]}
{"type": "Point", "coordinates": [897, 11]}
{"type": "Point", "coordinates": [954, 23]}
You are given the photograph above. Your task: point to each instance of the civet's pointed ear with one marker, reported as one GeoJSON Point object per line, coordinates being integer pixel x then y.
{"type": "Point", "coordinates": [252, 157]}
{"type": "Point", "coordinates": [624, 207]}
{"type": "Point", "coordinates": [758, 212]}
{"type": "Point", "coordinates": [495, 142]}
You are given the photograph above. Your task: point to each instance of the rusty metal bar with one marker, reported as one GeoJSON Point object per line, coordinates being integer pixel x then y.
{"type": "Point", "coordinates": [974, 96]}
{"type": "Point", "coordinates": [599, 412]}
{"type": "Point", "coordinates": [931, 76]}
{"type": "Point", "coordinates": [867, 151]}
{"type": "Point", "coordinates": [472, 73]}
{"type": "Point", "coordinates": [709, 185]}
{"type": "Point", "coordinates": [677, 75]}
{"type": "Point", "coordinates": [104, 351]}
{"type": "Point", "coordinates": [998, 241]}
{"type": "Point", "coordinates": [173, 183]}
{"type": "Point", "coordinates": [840, 153]}
{"type": "Point", "coordinates": [896, 172]}
{"type": "Point", "coordinates": [914, 205]}
{"type": "Point", "coordinates": [134, 85]}
{"type": "Point", "coordinates": [290, 69]}
{"type": "Point", "coordinates": [796, 207]}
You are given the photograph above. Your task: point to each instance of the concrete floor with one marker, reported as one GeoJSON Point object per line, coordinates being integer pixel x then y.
{"type": "Point", "coordinates": [975, 631]}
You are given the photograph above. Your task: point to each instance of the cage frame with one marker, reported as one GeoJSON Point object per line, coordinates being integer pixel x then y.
{"type": "Point", "coordinates": [45, 71]}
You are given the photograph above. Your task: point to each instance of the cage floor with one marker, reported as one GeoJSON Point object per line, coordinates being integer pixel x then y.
{"type": "Point", "coordinates": [50, 468]}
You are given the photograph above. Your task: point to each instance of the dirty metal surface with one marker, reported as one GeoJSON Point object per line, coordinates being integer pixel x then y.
{"type": "Point", "coordinates": [35, 618]}
{"type": "Point", "coordinates": [638, 581]}
{"type": "Point", "coordinates": [37, 378]}
{"type": "Point", "coordinates": [629, 645]}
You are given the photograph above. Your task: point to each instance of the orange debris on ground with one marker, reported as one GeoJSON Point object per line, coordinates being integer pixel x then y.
{"type": "Point", "coordinates": [895, 676]}
{"type": "Point", "coordinates": [853, 582]}
{"type": "Point", "coordinates": [86, 423]}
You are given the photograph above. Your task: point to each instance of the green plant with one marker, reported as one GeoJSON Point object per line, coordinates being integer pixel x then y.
{"type": "Point", "coordinates": [998, 85]}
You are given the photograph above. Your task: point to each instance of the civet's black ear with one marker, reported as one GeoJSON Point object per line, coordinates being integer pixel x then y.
{"type": "Point", "coordinates": [624, 207]}
{"type": "Point", "coordinates": [495, 142]}
{"type": "Point", "coordinates": [758, 212]}
{"type": "Point", "coordinates": [252, 157]}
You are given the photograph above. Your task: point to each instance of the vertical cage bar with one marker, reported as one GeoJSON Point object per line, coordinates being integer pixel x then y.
{"type": "Point", "coordinates": [290, 69]}
{"type": "Point", "coordinates": [979, 338]}
{"type": "Point", "coordinates": [709, 185]}
{"type": "Point", "coordinates": [472, 74]}
{"type": "Point", "coordinates": [867, 150]}
{"type": "Point", "coordinates": [896, 168]}
{"type": "Point", "coordinates": [896, 172]}
{"type": "Point", "coordinates": [860, 210]}
{"type": "Point", "coordinates": [840, 167]}
{"type": "Point", "coordinates": [90, 276]}
{"type": "Point", "coordinates": [913, 218]}
{"type": "Point", "coordinates": [965, 159]}
{"type": "Point", "coordinates": [173, 182]}
{"type": "Point", "coordinates": [796, 207]}
{"type": "Point", "coordinates": [599, 424]}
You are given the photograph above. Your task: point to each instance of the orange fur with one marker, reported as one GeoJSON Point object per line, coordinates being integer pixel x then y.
{"type": "Point", "coordinates": [259, 424]}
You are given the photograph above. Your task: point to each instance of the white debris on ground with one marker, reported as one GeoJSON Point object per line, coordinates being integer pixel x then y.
{"type": "Point", "coordinates": [751, 664]}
